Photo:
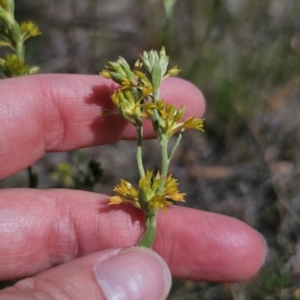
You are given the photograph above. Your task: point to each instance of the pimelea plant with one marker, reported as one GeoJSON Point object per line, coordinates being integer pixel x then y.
{"type": "Point", "coordinates": [13, 36]}
{"type": "Point", "coordinates": [138, 98]}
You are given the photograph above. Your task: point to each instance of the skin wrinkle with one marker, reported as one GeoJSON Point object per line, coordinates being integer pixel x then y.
{"type": "Point", "coordinates": [15, 111]}
{"type": "Point", "coordinates": [212, 229]}
{"type": "Point", "coordinates": [26, 224]}
{"type": "Point", "coordinates": [188, 248]}
{"type": "Point", "coordinates": [169, 253]}
{"type": "Point", "coordinates": [90, 230]}
{"type": "Point", "coordinates": [130, 225]}
{"type": "Point", "coordinates": [2, 166]}
{"type": "Point", "coordinates": [29, 110]}
{"type": "Point", "coordinates": [5, 119]}
{"type": "Point", "coordinates": [18, 247]}
{"type": "Point", "coordinates": [63, 242]}
{"type": "Point", "coordinates": [52, 138]}
{"type": "Point", "coordinates": [39, 288]}
{"type": "Point", "coordinates": [128, 228]}
{"type": "Point", "coordinates": [83, 226]}
{"type": "Point", "coordinates": [210, 248]}
{"type": "Point", "coordinates": [65, 98]}
{"type": "Point", "coordinates": [238, 243]}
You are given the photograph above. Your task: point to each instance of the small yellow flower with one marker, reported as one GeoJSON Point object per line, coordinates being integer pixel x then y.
{"type": "Point", "coordinates": [126, 189]}
{"type": "Point", "coordinates": [173, 72]}
{"type": "Point", "coordinates": [193, 123]}
{"type": "Point", "coordinates": [125, 192]}
{"type": "Point", "coordinates": [126, 84]}
{"type": "Point", "coordinates": [138, 64]}
{"type": "Point", "coordinates": [14, 66]}
{"type": "Point", "coordinates": [170, 117]}
{"type": "Point", "coordinates": [149, 184]}
{"type": "Point", "coordinates": [171, 189]}
{"type": "Point", "coordinates": [146, 91]}
{"type": "Point", "coordinates": [148, 109]}
{"type": "Point", "coordinates": [105, 74]}
{"type": "Point", "coordinates": [64, 173]}
{"type": "Point", "coordinates": [118, 71]}
{"type": "Point", "coordinates": [128, 105]}
{"type": "Point", "coordinates": [115, 200]}
{"type": "Point", "coordinates": [143, 81]}
{"type": "Point", "coordinates": [29, 29]}
{"type": "Point", "coordinates": [160, 202]}
{"type": "Point", "coordinates": [160, 199]}
{"type": "Point", "coordinates": [141, 75]}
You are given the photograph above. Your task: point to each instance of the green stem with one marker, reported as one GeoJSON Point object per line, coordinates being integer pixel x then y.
{"type": "Point", "coordinates": [19, 50]}
{"type": "Point", "coordinates": [165, 161]}
{"type": "Point", "coordinates": [149, 235]}
{"type": "Point", "coordinates": [17, 39]}
{"type": "Point", "coordinates": [139, 156]}
{"type": "Point", "coordinates": [156, 95]}
{"type": "Point", "coordinates": [155, 118]}
{"type": "Point", "coordinates": [33, 178]}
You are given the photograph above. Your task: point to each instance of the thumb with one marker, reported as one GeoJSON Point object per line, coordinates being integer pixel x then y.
{"type": "Point", "coordinates": [132, 273]}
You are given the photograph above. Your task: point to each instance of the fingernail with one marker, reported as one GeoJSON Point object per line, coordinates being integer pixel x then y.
{"type": "Point", "coordinates": [265, 248]}
{"type": "Point", "coordinates": [133, 273]}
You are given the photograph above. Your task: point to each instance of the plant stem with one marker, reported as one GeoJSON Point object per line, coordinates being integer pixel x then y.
{"type": "Point", "coordinates": [139, 156]}
{"type": "Point", "coordinates": [148, 237]}
{"type": "Point", "coordinates": [17, 40]}
{"type": "Point", "coordinates": [33, 179]}
{"type": "Point", "coordinates": [164, 162]}
{"type": "Point", "coordinates": [19, 50]}
{"type": "Point", "coordinates": [156, 95]}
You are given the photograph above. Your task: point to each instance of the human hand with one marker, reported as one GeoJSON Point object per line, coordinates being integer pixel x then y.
{"type": "Point", "coordinates": [72, 244]}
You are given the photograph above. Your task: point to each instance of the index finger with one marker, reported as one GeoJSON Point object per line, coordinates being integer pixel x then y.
{"type": "Point", "coordinates": [42, 228]}
{"type": "Point", "coordinates": [45, 113]}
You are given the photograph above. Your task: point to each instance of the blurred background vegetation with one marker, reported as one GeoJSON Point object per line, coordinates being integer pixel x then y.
{"type": "Point", "coordinates": [245, 57]}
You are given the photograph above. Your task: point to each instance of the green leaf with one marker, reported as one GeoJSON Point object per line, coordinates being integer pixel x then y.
{"type": "Point", "coordinates": [123, 63]}
{"type": "Point", "coordinates": [5, 44]}
{"type": "Point", "coordinates": [156, 76]}
{"type": "Point", "coordinates": [34, 70]}
{"type": "Point", "coordinates": [169, 8]}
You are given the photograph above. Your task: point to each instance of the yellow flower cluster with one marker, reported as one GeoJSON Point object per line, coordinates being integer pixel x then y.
{"type": "Point", "coordinates": [149, 194]}
{"type": "Point", "coordinates": [134, 98]}
{"type": "Point", "coordinates": [29, 29]}
{"type": "Point", "coordinates": [134, 88]}
{"type": "Point", "coordinates": [13, 66]}
{"type": "Point", "coordinates": [170, 117]}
